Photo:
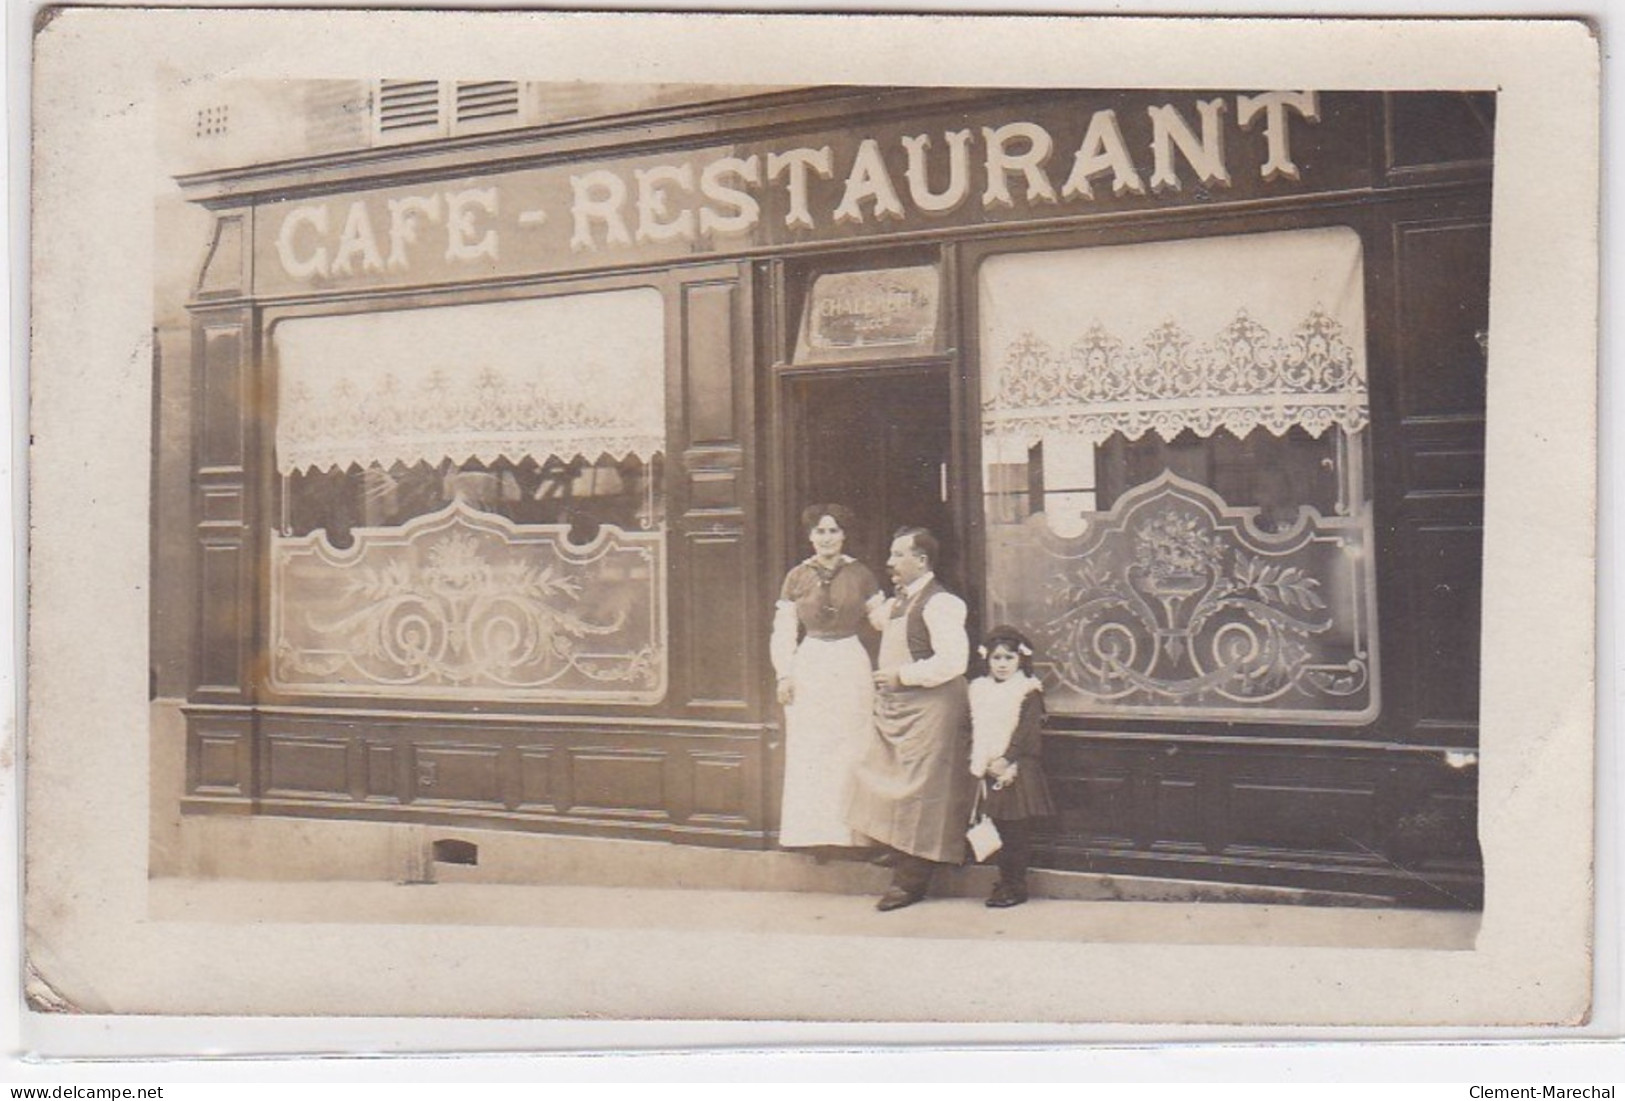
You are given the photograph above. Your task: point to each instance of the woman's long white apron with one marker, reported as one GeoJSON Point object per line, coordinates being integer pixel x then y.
{"type": "Point", "coordinates": [827, 727]}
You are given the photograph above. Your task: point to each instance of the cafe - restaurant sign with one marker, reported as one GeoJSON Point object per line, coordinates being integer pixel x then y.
{"type": "Point", "coordinates": [1064, 156]}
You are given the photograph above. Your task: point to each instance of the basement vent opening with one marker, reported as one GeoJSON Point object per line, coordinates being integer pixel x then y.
{"type": "Point", "coordinates": [448, 851]}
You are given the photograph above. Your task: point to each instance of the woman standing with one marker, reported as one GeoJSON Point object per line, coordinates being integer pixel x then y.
{"type": "Point", "coordinates": [824, 680]}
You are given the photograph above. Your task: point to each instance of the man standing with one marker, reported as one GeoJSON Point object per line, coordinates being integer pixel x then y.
{"type": "Point", "coordinates": [913, 789]}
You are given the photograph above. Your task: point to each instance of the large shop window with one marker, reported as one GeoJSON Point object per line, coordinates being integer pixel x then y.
{"type": "Point", "coordinates": [1174, 442]}
{"type": "Point", "coordinates": [471, 502]}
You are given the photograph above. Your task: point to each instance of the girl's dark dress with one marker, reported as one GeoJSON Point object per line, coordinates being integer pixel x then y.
{"type": "Point", "coordinates": [1027, 796]}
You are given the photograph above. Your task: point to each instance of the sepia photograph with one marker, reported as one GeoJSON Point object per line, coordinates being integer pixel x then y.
{"type": "Point", "coordinates": [830, 520]}
{"type": "Point", "coordinates": [548, 492]}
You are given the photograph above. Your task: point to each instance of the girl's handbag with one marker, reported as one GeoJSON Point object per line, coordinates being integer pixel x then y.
{"type": "Point", "coordinates": [983, 835]}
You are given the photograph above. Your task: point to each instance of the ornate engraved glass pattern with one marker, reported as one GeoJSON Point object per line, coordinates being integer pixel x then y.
{"type": "Point", "coordinates": [1175, 605]}
{"type": "Point", "coordinates": [464, 604]}
{"type": "Point", "coordinates": [581, 375]}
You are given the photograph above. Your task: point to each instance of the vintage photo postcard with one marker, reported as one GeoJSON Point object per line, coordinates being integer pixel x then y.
{"type": "Point", "coordinates": [788, 518]}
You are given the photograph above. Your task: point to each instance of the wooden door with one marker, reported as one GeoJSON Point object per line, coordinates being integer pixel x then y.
{"type": "Point", "coordinates": [877, 442]}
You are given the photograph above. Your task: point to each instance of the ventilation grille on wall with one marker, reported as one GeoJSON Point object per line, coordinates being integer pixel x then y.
{"type": "Point", "coordinates": [213, 122]}
{"type": "Point", "coordinates": [487, 99]}
{"type": "Point", "coordinates": [414, 110]}
{"type": "Point", "coordinates": [408, 107]}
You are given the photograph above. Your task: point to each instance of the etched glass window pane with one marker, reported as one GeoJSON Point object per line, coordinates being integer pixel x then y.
{"type": "Point", "coordinates": [471, 503]}
{"type": "Point", "coordinates": [1174, 457]}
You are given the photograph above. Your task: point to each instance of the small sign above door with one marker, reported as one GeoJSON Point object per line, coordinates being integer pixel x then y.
{"type": "Point", "coordinates": [854, 314]}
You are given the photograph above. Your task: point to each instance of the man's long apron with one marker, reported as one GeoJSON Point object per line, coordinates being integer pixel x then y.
{"type": "Point", "coordinates": [913, 789]}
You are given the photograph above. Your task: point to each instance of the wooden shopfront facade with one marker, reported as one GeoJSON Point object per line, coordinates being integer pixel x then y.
{"type": "Point", "coordinates": [499, 443]}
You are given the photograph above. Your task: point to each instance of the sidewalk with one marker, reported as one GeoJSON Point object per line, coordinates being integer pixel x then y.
{"type": "Point", "coordinates": [804, 913]}
{"type": "Point", "coordinates": [529, 880]}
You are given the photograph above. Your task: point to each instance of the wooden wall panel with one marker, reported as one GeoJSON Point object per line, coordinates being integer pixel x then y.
{"type": "Point", "coordinates": [719, 635]}
{"type": "Point", "coordinates": [709, 362]}
{"type": "Point", "coordinates": [1444, 278]}
{"type": "Point", "coordinates": [383, 771]}
{"type": "Point", "coordinates": [1442, 298]}
{"type": "Point", "coordinates": [719, 786]}
{"type": "Point", "coordinates": [221, 505]}
{"type": "Point", "coordinates": [718, 627]}
{"type": "Point", "coordinates": [713, 490]}
{"type": "Point", "coordinates": [1444, 457]}
{"type": "Point", "coordinates": [1379, 820]}
{"type": "Point", "coordinates": [619, 782]}
{"type": "Point", "coordinates": [302, 766]}
{"type": "Point", "coordinates": [174, 538]}
{"type": "Point", "coordinates": [537, 769]}
{"type": "Point", "coordinates": [1099, 804]}
{"type": "Point", "coordinates": [222, 616]}
{"type": "Point", "coordinates": [1446, 595]}
{"type": "Point", "coordinates": [457, 774]}
{"type": "Point", "coordinates": [1177, 810]}
{"type": "Point", "coordinates": [1291, 816]}
{"type": "Point", "coordinates": [223, 631]}
{"type": "Point", "coordinates": [689, 782]}
{"type": "Point", "coordinates": [220, 759]}
{"type": "Point", "coordinates": [223, 375]}
{"type": "Point", "coordinates": [1450, 820]}
{"type": "Point", "coordinates": [217, 763]}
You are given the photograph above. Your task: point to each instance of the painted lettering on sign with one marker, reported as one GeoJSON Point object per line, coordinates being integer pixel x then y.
{"type": "Point", "coordinates": [739, 197]}
{"type": "Point", "coordinates": [466, 229]}
{"type": "Point", "coordinates": [854, 310]}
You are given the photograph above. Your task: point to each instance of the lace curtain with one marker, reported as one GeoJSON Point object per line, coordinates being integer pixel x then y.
{"type": "Point", "coordinates": [1265, 330]}
{"type": "Point", "coordinates": [580, 375]}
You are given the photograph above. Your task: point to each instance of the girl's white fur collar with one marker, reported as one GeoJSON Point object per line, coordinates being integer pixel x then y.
{"type": "Point", "coordinates": [995, 709]}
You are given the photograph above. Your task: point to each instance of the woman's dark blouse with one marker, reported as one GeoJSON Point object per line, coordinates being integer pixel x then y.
{"type": "Point", "coordinates": [829, 603]}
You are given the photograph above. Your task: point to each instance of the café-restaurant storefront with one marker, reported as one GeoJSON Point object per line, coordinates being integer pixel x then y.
{"type": "Point", "coordinates": [499, 445]}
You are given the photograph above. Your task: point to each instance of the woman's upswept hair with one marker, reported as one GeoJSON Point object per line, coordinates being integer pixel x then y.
{"type": "Point", "coordinates": [839, 513]}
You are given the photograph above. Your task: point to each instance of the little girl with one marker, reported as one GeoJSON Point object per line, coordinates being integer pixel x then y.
{"type": "Point", "coordinates": [1007, 713]}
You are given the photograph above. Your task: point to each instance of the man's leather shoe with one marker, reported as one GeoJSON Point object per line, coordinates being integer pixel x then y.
{"type": "Point", "coordinates": [896, 899]}
{"type": "Point", "coordinates": [1004, 897]}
